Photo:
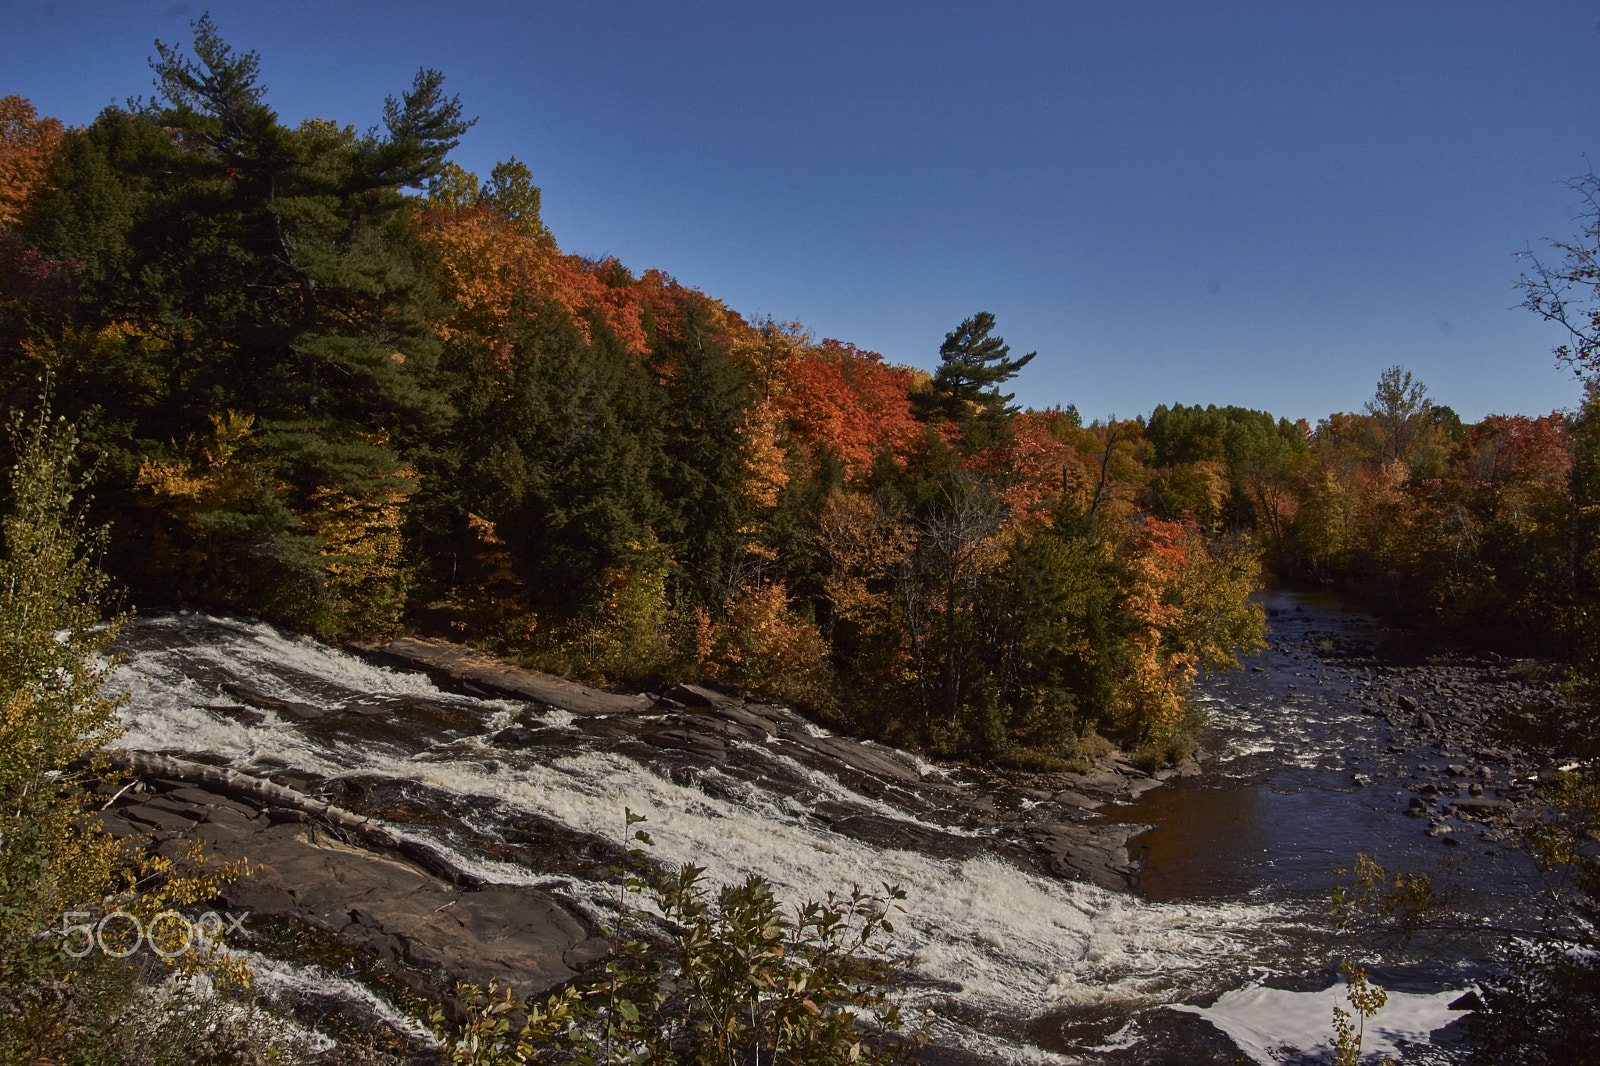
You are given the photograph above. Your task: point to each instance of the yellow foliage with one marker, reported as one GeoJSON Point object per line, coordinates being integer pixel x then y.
{"type": "Point", "coordinates": [55, 716]}
{"type": "Point", "coordinates": [761, 644]}
{"type": "Point", "coordinates": [765, 471]}
{"type": "Point", "coordinates": [363, 547]}
{"type": "Point", "coordinates": [1191, 601]}
{"type": "Point", "coordinates": [219, 482]}
{"type": "Point", "coordinates": [860, 543]}
{"type": "Point", "coordinates": [633, 633]}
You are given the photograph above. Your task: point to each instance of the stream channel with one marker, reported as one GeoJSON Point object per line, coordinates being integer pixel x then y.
{"type": "Point", "coordinates": [1223, 949]}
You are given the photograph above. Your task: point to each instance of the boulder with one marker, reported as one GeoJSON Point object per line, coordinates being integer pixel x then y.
{"type": "Point", "coordinates": [459, 666]}
{"type": "Point", "coordinates": [696, 696]}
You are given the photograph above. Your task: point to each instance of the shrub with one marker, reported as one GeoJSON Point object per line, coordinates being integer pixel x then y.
{"type": "Point", "coordinates": [55, 859]}
{"type": "Point", "coordinates": [726, 976]}
{"type": "Point", "coordinates": [763, 645]}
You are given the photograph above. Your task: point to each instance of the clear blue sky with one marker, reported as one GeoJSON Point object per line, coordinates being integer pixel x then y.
{"type": "Point", "coordinates": [1263, 204]}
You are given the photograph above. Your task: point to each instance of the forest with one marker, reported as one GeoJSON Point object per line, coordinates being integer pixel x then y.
{"type": "Point", "coordinates": [331, 379]}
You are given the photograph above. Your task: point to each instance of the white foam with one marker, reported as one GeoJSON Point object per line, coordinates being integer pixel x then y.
{"type": "Point", "coordinates": [275, 977]}
{"type": "Point", "coordinates": [1272, 1025]}
{"type": "Point", "coordinates": [1010, 940]}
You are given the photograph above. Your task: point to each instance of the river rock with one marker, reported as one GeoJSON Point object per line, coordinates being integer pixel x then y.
{"type": "Point", "coordinates": [379, 902]}
{"type": "Point", "coordinates": [858, 756]}
{"type": "Point", "coordinates": [1077, 799]}
{"type": "Point", "coordinates": [1476, 806]}
{"type": "Point", "coordinates": [1098, 854]}
{"type": "Point", "coordinates": [694, 696]}
{"type": "Point", "coordinates": [685, 739]}
{"type": "Point", "coordinates": [455, 665]}
{"type": "Point", "coordinates": [294, 709]}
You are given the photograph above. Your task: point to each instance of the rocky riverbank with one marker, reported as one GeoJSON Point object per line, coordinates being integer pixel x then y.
{"type": "Point", "coordinates": [1465, 732]}
{"type": "Point", "coordinates": [323, 861]}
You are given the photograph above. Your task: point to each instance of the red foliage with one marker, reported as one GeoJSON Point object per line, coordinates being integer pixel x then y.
{"type": "Point", "coordinates": [841, 397]}
{"type": "Point", "coordinates": [1030, 469]}
{"type": "Point", "coordinates": [583, 289]}
{"type": "Point", "coordinates": [672, 306]}
{"type": "Point", "coordinates": [488, 265]}
{"type": "Point", "coordinates": [1507, 450]}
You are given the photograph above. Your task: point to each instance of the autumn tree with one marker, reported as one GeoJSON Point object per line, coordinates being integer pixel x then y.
{"type": "Point", "coordinates": [27, 143]}
{"type": "Point", "coordinates": [1401, 414]}
{"type": "Point", "coordinates": [841, 398]}
{"type": "Point", "coordinates": [229, 262]}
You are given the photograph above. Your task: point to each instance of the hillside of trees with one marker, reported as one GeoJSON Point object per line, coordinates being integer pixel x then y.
{"type": "Point", "coordinates": [334, 380]}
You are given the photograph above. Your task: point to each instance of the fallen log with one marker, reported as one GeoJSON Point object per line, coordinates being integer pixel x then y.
{"type": "Point", "coordinates": [233, 783]}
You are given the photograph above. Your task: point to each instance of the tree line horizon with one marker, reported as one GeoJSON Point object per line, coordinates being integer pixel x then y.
{"type": "Point", "coordinates": [332, 379]}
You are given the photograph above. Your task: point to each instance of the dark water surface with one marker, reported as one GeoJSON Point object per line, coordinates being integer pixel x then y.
{"type": "Point", "coordinates": [1279, 807]}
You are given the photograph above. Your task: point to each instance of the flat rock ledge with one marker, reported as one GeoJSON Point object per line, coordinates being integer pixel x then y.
{"type": "Point", "coordinates": [302, 869]}
{"type": "Point", "coordinates": [478, 674]}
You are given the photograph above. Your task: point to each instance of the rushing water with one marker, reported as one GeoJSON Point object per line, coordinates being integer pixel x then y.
{"type": "Point", "coordinates": [1225, 949]}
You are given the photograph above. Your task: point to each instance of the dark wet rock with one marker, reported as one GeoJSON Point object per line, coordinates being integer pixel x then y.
{"type": "Point", "coordinates": [872, 761]}
{"type": "Point", "coordinates": [685, 739]}
{"type": "Point", "coordinates": [695, 696]}
{"type": "Point", "coordinates": [753, 716]}
{"type": "Point", "coordinates": [1077, 799]}
{"type": "Point", "coordinates": [1098, 854]}
{"type": "Point", "coordinates": [906, 836]}
{"type": "Point", "coordinates": [521, 935]}
{"type": "Point", "coordinates": [375, 900]}
{"type": "Point", "coordinates": [237, 713]}
{"type": "Point", "coordinates": [305, 712]}
{"type": "Point", "coordinates": [521, 736]}
{"type": "Point", "coordinates": [1477, 806]}
{"type": "Point", "coordinates": [458, 665]}
{"type": "Point", "coordinates": [705, 720]}
{"type": "Point", "coordinates": [1408, 704]}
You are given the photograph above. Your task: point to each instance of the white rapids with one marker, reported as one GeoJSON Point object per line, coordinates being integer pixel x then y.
{"type": "Point", "coordinates": [1001, 940]}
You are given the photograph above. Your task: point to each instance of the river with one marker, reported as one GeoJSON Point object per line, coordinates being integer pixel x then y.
{"type": "Point", "coordinates": [1225, 948]}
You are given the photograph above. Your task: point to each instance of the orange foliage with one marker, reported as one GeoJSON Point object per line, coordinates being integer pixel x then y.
{"type": "Point", "coordinates": [26, 145]}
{"type": "Point", "coordinates": [1150, 696]}
{"type": "Point", "coordinates": [841, 397]}
{"type": "Point", "coordinates": [485, 264]}
{"type": "Point", "coordinates": [763, 645]}
{"type": "Point", "coordinates": [1031, 468]}
{"type": "Point", "coordinates": [488, 264]}
{"type": "Point", "coordinates": [581, 288]}
{"type": "Point", "coordinates": [1157, 556]}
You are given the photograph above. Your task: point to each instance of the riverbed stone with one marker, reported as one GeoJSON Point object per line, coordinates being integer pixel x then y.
{"type": "Point", "coordinates": [384, 903]}
{"type": "Point", "coordinates": [455, 665]}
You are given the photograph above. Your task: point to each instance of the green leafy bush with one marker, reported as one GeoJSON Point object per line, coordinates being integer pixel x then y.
{"type": "Point", "coordinates": [706, 977]}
